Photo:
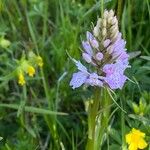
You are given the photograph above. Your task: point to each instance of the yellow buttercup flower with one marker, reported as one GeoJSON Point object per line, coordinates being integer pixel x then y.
{"type": "Point", "coordinates": [39, 61]}
{"type": "Point", "coordinates": [135, 139]}
{"type": "Point", "coordinates": [21, 79]}
{"type": "Point", "coordinates": [30, 71]}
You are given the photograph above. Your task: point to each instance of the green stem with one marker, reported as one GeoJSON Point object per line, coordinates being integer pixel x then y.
{"type": "Point", "coordinates": [93, 110]}
{"type": "Point", "coordinates": [95, 135]}
{"type": "Point", "coordinates": [46, 88]}
{"type": "Point", "coordinates": [45, 22]}
{"type": "Point", "coordinates": [104, 118]}
{"type": "Point", "coordinates": [20, 112]}
{"type": "Point", "coordinates": [119, 9]}
{"type": "Point", "coordinates": [25, 93]}
{"type": "Point", "coordinates": [102, 7]}
{"type": "Point", "coordinates": [129, 23]}
{"type": "Point", "coordinates": [123, 125]}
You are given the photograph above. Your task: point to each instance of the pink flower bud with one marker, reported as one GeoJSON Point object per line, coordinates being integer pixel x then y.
{"type": "Point", "coordinates": [87, 57]}
{"type": "Point", "coordinates": [99, 56]}
{"type": "Point", "coordinates": [94, 43]}
{"type": "Point", "coordinates": [106, 42]}
{"type": "Point", "coordinates": [110, 50]}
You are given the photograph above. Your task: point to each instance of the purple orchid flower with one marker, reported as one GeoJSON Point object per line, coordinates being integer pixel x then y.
{"type": "Point", "coordinates": [94, 80]}
{"type": "Point", "coordinates": [115, 80]}
{"type": "Point", "coordinates": [99, 50]}
{"type": "Point", "coordinates": [84, 77]}
{"type": "Point", "coordinates": [114, 74]}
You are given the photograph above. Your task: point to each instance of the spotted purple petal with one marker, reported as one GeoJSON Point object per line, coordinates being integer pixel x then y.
{"type": "Point", "coordinates": [119, 67]}
{"type": "Point", "coordinates": [123, 56]}
{"type": "Point", "coordinates": [109, 69]}
{"type": "Point", "coordinates": [78, 79]}
{"type": "Point", "coordinates": [94, 80]}
{"type": "Point", "coordinates": [118, 47]}
{"type": "Point", "coordinates": [115, 80]}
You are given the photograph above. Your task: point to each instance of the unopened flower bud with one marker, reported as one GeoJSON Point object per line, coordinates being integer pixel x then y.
{"type": "Point", "coordinates": [96, 31]}
{"type": "Point", "coordinates": [40, 61]}
{"type": "Point", "coordinates": [99, 22]}
{"type": "Point", "coordinates": [99, 56]}
{"type": "Point", "coordinates": [86, 57]}
{"type": "Point", "coordinates": [114, 21]}
{"type": "Point", "coordinates": [114, 36]}
{"type": "Point", "coordinates": [94, 43]}
{"type": "Point", "coordinates": [135, 108]}
{"type": "Point", "coordinates": [109, 50]}
{"type": "Point", "coordinates": [104, 23]}
{"type": "Point", "coordinates": [142, 105]}
{"type": "Point", "coordinates": [114, 29]}
{"type": "Point", "coordinates": [110, 20]}
{"type": "Point", "coordinates": [104, 31]}
{"type": "Point", "coordinates": [105, 14]}
{"type": "Point", "coordinates": [89, 36]}
{"type": "Point", "coordinates": [106, 43]}
{"type": "Point", "coordinates": [111, 13]}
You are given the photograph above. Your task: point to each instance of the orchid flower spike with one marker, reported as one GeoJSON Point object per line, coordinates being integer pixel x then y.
{"type": "Point", "coordinates": [105, 51]}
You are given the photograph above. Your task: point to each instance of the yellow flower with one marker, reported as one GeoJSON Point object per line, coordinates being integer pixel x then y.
{"type": "Point", "coordinates": [135, 139]}
{"type": "Point", "coordinates": [39, 61]}
{"type": "Point", "coordinates": [21, 79]}
{"type": "Point", "coordinates": [30, 71]}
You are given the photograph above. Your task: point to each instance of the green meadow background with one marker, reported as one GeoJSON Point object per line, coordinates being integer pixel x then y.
{"type": "Point", "coordinates": [47, 114]}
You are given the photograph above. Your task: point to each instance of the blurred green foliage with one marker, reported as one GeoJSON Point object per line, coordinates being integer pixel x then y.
{"type": "Point", "coordinates": [51, 27]}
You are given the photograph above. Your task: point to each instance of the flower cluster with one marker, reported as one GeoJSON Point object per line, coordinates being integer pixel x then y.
{"type": "Point", "coordinates": [135, 139]}
{"type": "Point", "coordinates": [27, 66]}
{"type": "Point", "coordinates": [105, 51]}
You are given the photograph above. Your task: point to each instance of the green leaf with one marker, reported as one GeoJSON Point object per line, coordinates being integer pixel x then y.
{"type": "Point", "coordinates": [32, 109]}
{"type": "Point", "coordinates": [146, 67]}
{"type": "Point", "coordinates": [109, 92]}
{"type": "Point", "coordinates": [115, 135]}
{"type": "Point", "coordinates": [142, 119]}
{"type": "Point", "coordinates": [30, 130]}
{"type": "Point", "coordinates": [134, 54]}
{"type": "Point", "coordinates": [145, 57]}
{"type": "Point", "coordinates": [114, 147]}
{"type": "Point", "coordinates": [9, 76]}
